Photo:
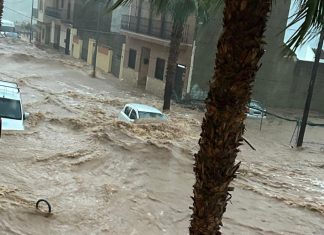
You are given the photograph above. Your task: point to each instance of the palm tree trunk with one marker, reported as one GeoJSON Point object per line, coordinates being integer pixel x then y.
{"type": "Point", "coordinates": [1, 11]}
{"type": "Point", "coordinates": [176, 37]}
{"type": "Point", "coordinates": [240, 47]}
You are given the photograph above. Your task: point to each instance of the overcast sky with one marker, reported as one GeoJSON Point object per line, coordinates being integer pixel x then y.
{"type": "Point", "coordinates": [17, 10]}
{"type": "Point", "coordinates": [289, 32]}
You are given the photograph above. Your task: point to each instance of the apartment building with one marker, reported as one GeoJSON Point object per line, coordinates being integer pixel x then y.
{"type": "Point", "coordinates": [147, 49]}
{"type": "Point", "coordinates": [55, 21]}
{"type": "Point", "coordinates": [90, 18]}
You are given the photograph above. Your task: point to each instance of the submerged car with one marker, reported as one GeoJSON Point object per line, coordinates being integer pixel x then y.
{"type": "Point", "coordinates": [255, 109]}
{"type": "Point", "coordinates": [12, 35]}
{"type": "Point", "coordinates": [132, 112]}
{"type": "Point", "coordinates": [11, 109]}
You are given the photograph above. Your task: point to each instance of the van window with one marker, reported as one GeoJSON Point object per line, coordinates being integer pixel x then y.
{"type": "Point", "coordinates": [10, 109]}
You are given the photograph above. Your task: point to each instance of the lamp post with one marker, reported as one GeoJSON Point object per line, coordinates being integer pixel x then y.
{"type": "Point", "coordinates": [310, 90]}
{"type": "Point", "coordinates": [97, 39]}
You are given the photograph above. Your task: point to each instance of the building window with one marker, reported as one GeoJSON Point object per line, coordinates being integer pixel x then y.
{"type": "Point", "coordinates": [43, 34]}
{"type": "Point", "coordinates": [41, 5]}
{"type": "Point", "coordinates": [159, 70]}
{"type": "Point", "coordinates": [132, 58]}
{"type": "Point", "coordinates": [62, 4]}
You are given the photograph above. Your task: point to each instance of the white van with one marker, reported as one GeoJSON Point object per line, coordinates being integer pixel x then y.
{"type": "Point", "coordinates": [7, 26]}
{"type": "Point", "coordinates": [11, 110]}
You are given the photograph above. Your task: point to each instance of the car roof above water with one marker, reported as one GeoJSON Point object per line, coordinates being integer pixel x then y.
{"type": "Point", "coordinates": [9, 90]}
{"type": "Point", "coordinates": [145, 108]}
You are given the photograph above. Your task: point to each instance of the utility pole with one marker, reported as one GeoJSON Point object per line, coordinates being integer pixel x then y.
{"type": "Point", "coordinates": [97, 39]}
{"type": "Point", "coordinates": [31, 22]}
{"type": "Point", "coordinates": [310, 90]}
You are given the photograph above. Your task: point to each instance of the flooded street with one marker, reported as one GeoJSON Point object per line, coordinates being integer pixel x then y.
{"type": "Point", "coordinates": [103, 176]}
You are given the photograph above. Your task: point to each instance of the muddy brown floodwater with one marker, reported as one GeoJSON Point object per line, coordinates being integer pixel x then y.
{"type": "Point", "coordinates": [107, 177]}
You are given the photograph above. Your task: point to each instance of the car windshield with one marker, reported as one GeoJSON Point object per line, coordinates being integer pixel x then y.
{"type": "Point", "coordinates": [151, 115]}
{"type": "Point", "coordinates": [256, 105]}
{"type": "Point", "coordinates": [10, 109]}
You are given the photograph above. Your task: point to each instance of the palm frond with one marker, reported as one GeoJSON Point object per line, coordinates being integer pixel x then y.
{"type": "Point", "coordinates": [118, 3]}
{"type": "Point", "coordinates": [311, 12]}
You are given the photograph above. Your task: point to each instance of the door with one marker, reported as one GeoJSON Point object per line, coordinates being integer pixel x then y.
{"type": "Point", "coordinates": [144, 66]}
{"type": "Point", "coordinates": [128, 114]}
{"type": "Point", "coordinates": [67, 41]}
{"type": "Point", "coordinates": [178, 81]}
{"type": "Point", "coordinates": [57, 37]}
{"type": "Point", "coordinates": [124, 114]}
{"type": "Point", "coordinates": [47, 35]}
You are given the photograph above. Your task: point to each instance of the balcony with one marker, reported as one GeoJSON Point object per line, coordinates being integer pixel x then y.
{"type": "Point", "coordinates": [53, 12]}
{"type": "Point", "coordinates": [35, 13]}
{"type": "Point", "coordinates": [155, 28]}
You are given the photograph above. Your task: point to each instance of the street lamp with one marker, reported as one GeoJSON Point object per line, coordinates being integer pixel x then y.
{"type": "Point", "coordinates": [97, 39]}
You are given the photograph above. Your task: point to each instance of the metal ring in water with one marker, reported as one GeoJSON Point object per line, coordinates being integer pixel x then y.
{"type": "Point", "coordinates": [48, 204]}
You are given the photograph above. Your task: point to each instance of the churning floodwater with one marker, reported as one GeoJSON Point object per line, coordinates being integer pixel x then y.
{"type": "Point", "coordinates": [103, 176]}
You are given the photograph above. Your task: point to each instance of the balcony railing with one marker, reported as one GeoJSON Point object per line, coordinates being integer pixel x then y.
{"type": "Point", "coordinates": [155, 28]}
{"type": "Point", "coordinates": [35, 12]}
{"type": "Point", "coordinates": [53, 12]}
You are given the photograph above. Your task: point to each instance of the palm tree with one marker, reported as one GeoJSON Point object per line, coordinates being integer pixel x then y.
{"type": "Point", "coordinates": [179, 11]}
{"type": "Point", "coordinates": [240, 48]}
{"type": "Point", "coordinates": [1, 10]}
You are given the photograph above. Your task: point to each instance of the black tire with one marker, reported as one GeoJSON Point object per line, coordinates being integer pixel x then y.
{"type": "Point", "coordinates": [48, 204]}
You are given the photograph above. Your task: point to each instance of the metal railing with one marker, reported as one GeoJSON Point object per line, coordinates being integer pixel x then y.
{"type": "Point", "coordinates": [53, 12]}
{"type": "Point", "coordinates": [155, 28]}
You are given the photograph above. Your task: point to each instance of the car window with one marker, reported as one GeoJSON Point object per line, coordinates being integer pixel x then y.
{"type": "Point", "coordinates": [257, 105]}
{"type": "Point", "coordinates": [133, 115]}
{"type": "Point", "coordinates": [151, 115]}
{"type": "Point", "coordinates": [10, 109]}
{"type": "Point", "coordinates": [127, 110]}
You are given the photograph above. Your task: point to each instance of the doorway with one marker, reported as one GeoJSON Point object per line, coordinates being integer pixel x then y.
{"type": "Point", "coordinates": [144, 66]}
{"type": "Point", "coordinates": [178, 81]}
{"type": "Point", "coordinates": [67, 41]}
{"type": "Point", "coordinates": [47, 35]}
{"type": "Point", "coordinates": [57, 37]}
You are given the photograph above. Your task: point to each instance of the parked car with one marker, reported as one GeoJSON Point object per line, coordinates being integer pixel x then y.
{"type": "Point", "coordinates": [11, 109]}
{"type": "Point", "coordinates": [255, 109]}
{"type": "Point", "coordinates": [132, 112]}
{"type": "Point", "coordinates": [12, 35]}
